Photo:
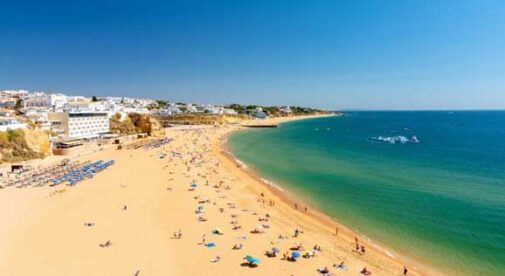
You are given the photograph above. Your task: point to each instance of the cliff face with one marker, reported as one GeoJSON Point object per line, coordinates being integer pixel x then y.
{"type": "Point", "coordinates": [202, 119]}
{"type": "Point", "coordinates": [20, 145]}
{"type": "Point", "coordinates": [147, 124]}
{"type": "Point", "coordinates": [156, 127]}
{"type": "Point", "coordinates": [38, 141]}
{"type": "Point", "coordinates": [136, 123]}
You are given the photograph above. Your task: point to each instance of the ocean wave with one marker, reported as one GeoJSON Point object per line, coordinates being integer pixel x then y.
{"type": "Point", "coordinates": [271, 184]}
{"type": "Point", "coordinates": [397, 139]}
{"type": "Point", "coordinates": [240, 163]}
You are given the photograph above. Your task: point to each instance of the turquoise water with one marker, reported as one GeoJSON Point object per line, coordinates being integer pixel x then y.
{"type": "Point", "coordinates": [440, 201]}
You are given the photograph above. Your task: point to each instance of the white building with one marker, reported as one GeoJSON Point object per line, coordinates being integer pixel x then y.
{"type": "Point", "coordinates": [191, 108]}
{"type": "Point", "coordinates": [135, 109]}
{"type": "Point", "coordinates": [37, 99]}
{"type": "Point", "coordinates": [121, 100]}
{"type": "Point", "coordinates": [58, 101]}
{"type": "Point", "coordinates": [17, 94]}
{"type": "Point", "coordinates": [229, 111]}
{"type": "Point", "coordinates": [168, 111]}
{"type": "Point", "coordinates": [285, 109]}
{"type": "Point", "coordinates": [81, 124]}
{"type": "Point", "coordinates": [10, 123]}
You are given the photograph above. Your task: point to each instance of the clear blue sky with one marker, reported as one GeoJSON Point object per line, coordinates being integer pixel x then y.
{"type": "Point", "coordinates": [330, 54]}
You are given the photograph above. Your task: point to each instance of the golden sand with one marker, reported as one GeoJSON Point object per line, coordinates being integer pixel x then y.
{"type": "Point", "coordinates": [43, 232]}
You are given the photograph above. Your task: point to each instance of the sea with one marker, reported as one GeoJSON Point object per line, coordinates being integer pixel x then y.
{"type": "Point", "coordinates": [429, 185]}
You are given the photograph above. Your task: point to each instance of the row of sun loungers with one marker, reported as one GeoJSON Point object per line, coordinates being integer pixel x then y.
{"type": "Point", "coordinates": [82, 173]}
{"type": "Point", "coordinates": [70, 173]}
{"type": "Point", "coordinates": [149, 144]}
{"type": "Point", "coordinates": [41, 176]}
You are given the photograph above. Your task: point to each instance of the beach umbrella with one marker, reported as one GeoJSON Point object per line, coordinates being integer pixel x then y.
{"type": "Point", "coordinates": [295, 254]}
{"type": "Point", "coordinates": [217, 231]}
{"type": "Point", "coordinates": [275, 250]}
{"type": "Point", "coordinates": [193, 185]}
{"type": "Point", "coordinates": [252, 260]}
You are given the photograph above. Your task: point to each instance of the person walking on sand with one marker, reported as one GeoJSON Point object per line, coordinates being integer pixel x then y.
{"type": "Point", "coordinates": [405, 270]}
{"type": "Point", "coordinates": [336, 231]}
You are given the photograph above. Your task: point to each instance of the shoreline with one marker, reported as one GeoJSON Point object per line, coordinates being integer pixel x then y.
{"type": "Point", "coordinates": [155, 189]}
{"type": "Point", "coordinates": [314, 213]}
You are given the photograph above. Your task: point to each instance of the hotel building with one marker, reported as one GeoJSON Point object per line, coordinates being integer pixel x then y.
{"type": "Point", "coordinates": [81, 124]}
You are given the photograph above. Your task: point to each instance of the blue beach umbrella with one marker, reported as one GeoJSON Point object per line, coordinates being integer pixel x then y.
{"type": "Point", "coordinates": [252, 260]}
{"type": "Point", "coordinates": [210, 244]}
{"type": "Point", "coordinates": [295, 254]}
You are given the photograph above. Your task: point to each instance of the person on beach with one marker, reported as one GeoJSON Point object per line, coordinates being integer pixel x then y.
{"type": "Point", "coordinates": [107, 244]}
{"type": "Point", "coordinates": [340, 266]}
{"type": "Point", "coordinates": [296, 206]}
{"type": "Point", "coordinates": [216, 259]}
{"type": "Point", "coordinates": [324, 270]}
{"type": "Point", "coordinates": [362, 249]}
{"type": "Point", "coordinates": [364, 271]}
{"type": "Point", "coordinates": [405, 270]}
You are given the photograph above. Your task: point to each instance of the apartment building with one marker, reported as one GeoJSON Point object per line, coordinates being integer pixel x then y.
{"type": "Point", "coordinates": [81, 124]}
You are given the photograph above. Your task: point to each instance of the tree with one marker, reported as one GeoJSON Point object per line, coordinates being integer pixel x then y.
{"type": "Point", "coordinates": [94, 99]}
{"type": "Point", "coordinates": [19, 104]}
{"type": "Point", "coordinates": [238, 108]}
{"type": "Point", "coordinates": [161, 103]}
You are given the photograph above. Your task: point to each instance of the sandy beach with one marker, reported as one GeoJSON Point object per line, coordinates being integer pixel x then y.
{"type": "Point", "coordinates": [153, 221]}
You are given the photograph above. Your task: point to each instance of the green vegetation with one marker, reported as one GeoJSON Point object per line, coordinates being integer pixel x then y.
{"type": "Point", "coordinates": [14, 148]}
{"type": "Point", "coordinates": [237, 107]}
{"type": "Point", "coordinates": [200, 119]}
{"type": "Point", "coordinates": [275, 111]}
{"type": "Point", "coordinates": [19, 104]}
{"type": "Point", "coordinates": [161, 103]}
